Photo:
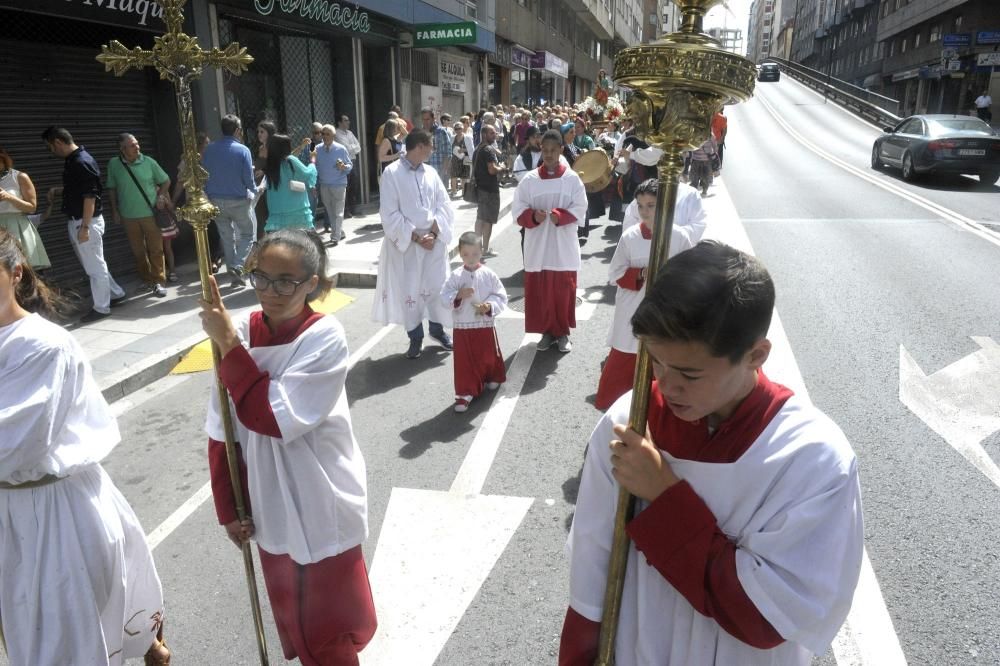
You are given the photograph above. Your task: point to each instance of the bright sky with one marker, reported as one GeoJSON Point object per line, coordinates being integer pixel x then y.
{"type": "Point", "coordinates": [737, 16]}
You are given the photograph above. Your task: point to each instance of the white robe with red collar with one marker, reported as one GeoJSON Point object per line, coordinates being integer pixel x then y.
{"type": "Point", "coordinates": [550, 246]}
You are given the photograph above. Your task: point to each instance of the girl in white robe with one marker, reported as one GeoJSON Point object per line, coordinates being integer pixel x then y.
{"type": "Point", "coordinates": [284, 367]}
{"type": "Point", "coordinates": [77, 580]}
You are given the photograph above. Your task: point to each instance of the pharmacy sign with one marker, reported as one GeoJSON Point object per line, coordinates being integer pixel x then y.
{"type": "Point", "coordinates": [444, 34]}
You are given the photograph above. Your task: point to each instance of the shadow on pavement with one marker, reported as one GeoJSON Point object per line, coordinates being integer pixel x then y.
{"type": "Point", "coordinates": [376, 376]}
{"type": "Point", "coordinates": [445, 427]}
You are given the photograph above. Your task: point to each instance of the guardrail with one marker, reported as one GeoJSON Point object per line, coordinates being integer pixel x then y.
{"type": "Point", "coordinates": [879, 109]}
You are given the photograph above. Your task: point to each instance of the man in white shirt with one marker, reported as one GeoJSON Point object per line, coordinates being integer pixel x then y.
{"type": "Point", "coordinates": [346, 138]}
{"type": "Point", "coordinates": [983, 104]}
{"type": "Point", "coordinates": [417, 219]}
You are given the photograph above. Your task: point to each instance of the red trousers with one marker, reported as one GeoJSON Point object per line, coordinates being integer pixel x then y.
{"type": "Point", "coordinates": [324, 611]}
{"type": "Point", "coordinates": [617, 378]}
{"type": "Point", "coordinates": [477, 360]}
{"type": "Point", "coordinates": [550, 302]}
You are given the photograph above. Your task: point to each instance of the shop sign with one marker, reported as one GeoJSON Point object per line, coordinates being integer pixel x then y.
{"type": "Point", "coordinates": [957, 39]}
{"type": "Point", "coordinates": [988, 59]}
{"type": "Point", "coordinates": [988, 37]}
{"type": "Point", "coordinates": [318, 11]}
{"type": "Point", "coordinates": [129, 13]}
{"type": "Point", "coordinates": [520, 58]}
{"type": "Point", "coordinates": [550, 63]}
{"type": "Point", "coordinates": [451, 75]}
{"type": "Point", "coordinates": [444, 34]}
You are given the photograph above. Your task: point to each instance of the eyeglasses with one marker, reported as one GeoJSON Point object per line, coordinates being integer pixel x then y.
{"type": "Point", "coordinates": [282, 286]}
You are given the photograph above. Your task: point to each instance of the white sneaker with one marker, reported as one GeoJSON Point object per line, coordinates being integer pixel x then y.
{"type": "Point", "coordinates": [493, 386]}
{"type": "Point", "coordinates": [158, 291]}
{"type": "Point", "coordinates": [565, 346]}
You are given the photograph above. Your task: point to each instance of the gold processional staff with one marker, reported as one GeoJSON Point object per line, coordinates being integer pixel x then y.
{"type": "Point", "coordinates": [678, 83]}
{"type": "Point", "coordinates": [179, 59]}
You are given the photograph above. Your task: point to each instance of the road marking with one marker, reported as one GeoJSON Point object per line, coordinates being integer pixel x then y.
{"type": "Point", "coordinates": [948, 215]}
{"type": "Point", "coordinates": [120, 407]}
{"type": "Point", "coordinates": [436, 549]}
{"type": "Point", "coordinates": [868, 637]}
{"type": "Point", "coordinates": [174, 520]}
{"type": "Point", "coordinates": [958, 402]}
{"type": "Point", "coordinates": [476, 466]}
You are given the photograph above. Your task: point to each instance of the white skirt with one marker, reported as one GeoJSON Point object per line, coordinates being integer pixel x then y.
{"type": "Point", "coordinates": [74, 559]}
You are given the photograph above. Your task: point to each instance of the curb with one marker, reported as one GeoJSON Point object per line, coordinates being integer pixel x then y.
{"type": "Point", "coordinates": [157, 366]}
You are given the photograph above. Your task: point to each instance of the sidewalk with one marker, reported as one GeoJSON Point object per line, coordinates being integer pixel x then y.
{"type": "Point", "coordinates": [146, 336]}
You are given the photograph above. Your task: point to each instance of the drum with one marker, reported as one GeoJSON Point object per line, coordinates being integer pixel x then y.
{"type": "Point", "coordinates": [594, 169]}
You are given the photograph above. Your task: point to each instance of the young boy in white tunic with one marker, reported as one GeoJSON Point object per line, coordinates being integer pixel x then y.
{"type": "Point", "coordinates": [748, 538]}
{"type": "Point", "coordinates": [477, 296]}
{"type": "Point", "coordinates": [549, 203]}
{"type": "Point", "coordinates": [628, 271]}
{"type": "Point", "coordinates": [284, 367]}
{"type": "Point", "coordinates": [77, 580]}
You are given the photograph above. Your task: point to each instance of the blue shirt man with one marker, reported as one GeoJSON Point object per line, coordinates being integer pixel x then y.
{"type": "Point", "coordinates": [231, 187]}
{"type": "Point", "coordinates": [440, 158]}
{"type": "Point", "coordinates": [333, 166]}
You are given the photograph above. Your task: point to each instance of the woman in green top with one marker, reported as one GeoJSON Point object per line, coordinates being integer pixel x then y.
{"type": "Point", "coordinates": [288, 184]}
{"type": "Point", "coordinates": [17, 201]}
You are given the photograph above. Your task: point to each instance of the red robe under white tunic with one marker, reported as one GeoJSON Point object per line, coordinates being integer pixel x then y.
{"type": "Point", "coordinates": [551, 249]}
{"type": "Point", "coordinates": [630, 259]}
{"type": "Point", "coordinates": [304, 481]}
{"type": "Point", "coordinates": [477, 354]}
{"type": "Point", "coordinates": [751, 560]}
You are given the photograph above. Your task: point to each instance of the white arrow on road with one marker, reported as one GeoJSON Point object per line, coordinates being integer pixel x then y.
{"type": "Point", "coordinates": [436, 548]}
{"type": "Point", "coordinates": [961, 402]}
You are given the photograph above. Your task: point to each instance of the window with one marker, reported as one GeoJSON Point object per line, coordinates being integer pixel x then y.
{"type": "Point", "coordinates": [524, 3]}
{"type": "Point", "coordinates": [470, 8]}
{"type": "Point", "coordinates": [935, 34]}
{"type": "Point", "coordinates": [916, 41]}
{"type": "Point", "coordinates": [958, 22]}
{"type": "Point", "coordinates": [899, 3]}
{"type": "Point", "coordinates": [892, 48]}
{"type": "Point", "coordinates": [902, 46]}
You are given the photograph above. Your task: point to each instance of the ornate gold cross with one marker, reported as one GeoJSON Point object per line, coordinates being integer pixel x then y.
{"type": "Point", "coordinates": [179, 59]}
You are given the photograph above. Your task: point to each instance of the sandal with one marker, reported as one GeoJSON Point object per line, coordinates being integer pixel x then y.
{"type": "Point", "coordinates": [158, 654]}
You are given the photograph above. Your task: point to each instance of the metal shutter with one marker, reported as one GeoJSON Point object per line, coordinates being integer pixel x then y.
{"type": "Point", "coordinates": [50, 77]}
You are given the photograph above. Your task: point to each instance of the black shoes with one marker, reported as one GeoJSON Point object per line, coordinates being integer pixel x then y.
{"type": "Point", "coordinates": [93, 316]}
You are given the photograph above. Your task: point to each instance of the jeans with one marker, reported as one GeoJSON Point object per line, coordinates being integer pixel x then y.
{"type": "Point", "coordinates": [237, 230]}
{"type": "Point", "coordinates": [91, 255]}
{"type": "Point", "coordinates": [146, 241]}
{"type": "Point", "coordinates": [334, 197]}
{"type": "Point", "coordinates": [435, 328]}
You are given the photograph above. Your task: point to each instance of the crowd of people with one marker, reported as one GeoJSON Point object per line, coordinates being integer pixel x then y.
{"type": "Point", "coordinates": [759, 568]}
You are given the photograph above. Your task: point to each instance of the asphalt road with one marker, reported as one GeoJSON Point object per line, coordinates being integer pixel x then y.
{"type": "Point", "coordinates": [859, 270]}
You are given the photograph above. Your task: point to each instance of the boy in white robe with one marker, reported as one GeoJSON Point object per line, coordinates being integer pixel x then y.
{"type": "Point", "coordinates": [549, 203]}
{"type": "Point", "coordinates": [477, 296]}
{"type": "Point", "coordinates": [77, 580]}
{"type": "Point", "coordinates": [748, 538]}
{"type": "Point", "coordinates": [417, 219]}
{"type": "Point", "coordinates": [628, 271]}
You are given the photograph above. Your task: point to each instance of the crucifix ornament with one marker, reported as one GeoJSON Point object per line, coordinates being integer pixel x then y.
{"type": "Point", "coordinates": [179, 59]}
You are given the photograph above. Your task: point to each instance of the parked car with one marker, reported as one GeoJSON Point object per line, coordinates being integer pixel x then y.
{"type": "Point", "coordinates": [769, 71]}
{"type": "Point", "coordinates": [940, 144]}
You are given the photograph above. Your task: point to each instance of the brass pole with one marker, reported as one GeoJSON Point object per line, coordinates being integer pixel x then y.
{"type": "Point", "coordinates": [678, 84]}
{"type": "Point", "coordinates": [179, 59]}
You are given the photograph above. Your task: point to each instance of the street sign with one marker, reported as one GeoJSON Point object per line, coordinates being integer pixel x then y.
{"type": "Point", "coordinates": [444, 34]}
{"type": "Point", "coordinates": [957, 39]}
{"type": "Point", "coordinates": [988, 37]}
{"type": "Point", "coordinates": [988, 59]}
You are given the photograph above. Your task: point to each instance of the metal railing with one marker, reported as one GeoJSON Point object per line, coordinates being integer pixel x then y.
{"type": "Point", "coordinates": [878, 108]}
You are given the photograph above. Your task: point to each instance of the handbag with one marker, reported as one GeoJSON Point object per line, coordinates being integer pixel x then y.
{"type": "Point", "coordinates": [165, 218]}
{"type": "Point", "coordinates": [469, 193]}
